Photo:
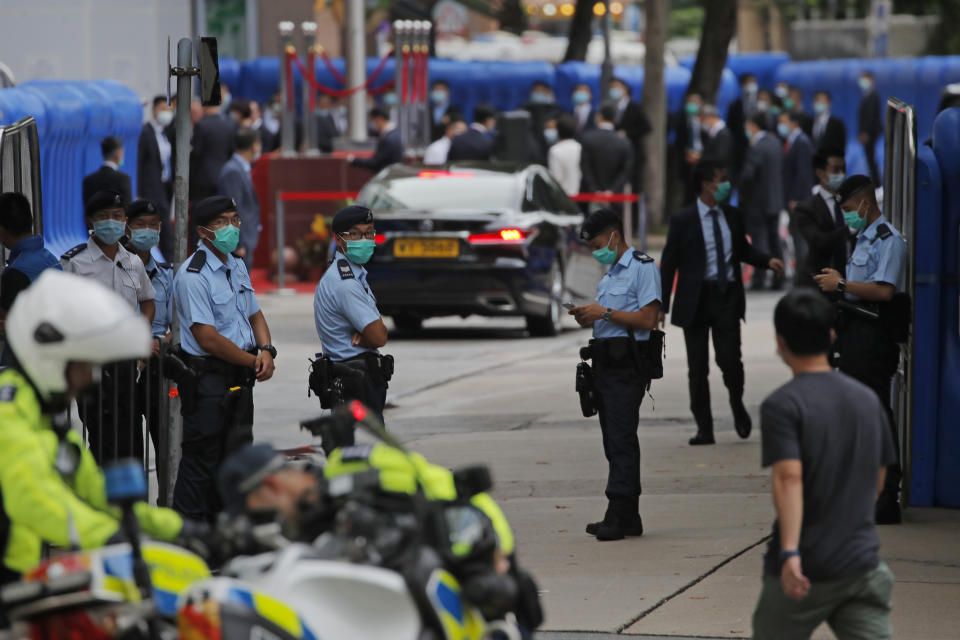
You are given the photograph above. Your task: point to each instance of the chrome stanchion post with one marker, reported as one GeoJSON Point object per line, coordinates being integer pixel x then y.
{"type": "Point", "coordinates": [309, 31]}
{"type": "Point", "coordinates": [281, 241]}
{"type": "Point", "coordinates": [287, 124]}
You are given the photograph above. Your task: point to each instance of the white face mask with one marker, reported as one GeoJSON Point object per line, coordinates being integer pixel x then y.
{"type": "Point", "coordinates": [165, 117]}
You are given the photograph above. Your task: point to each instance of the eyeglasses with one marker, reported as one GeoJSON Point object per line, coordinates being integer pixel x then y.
{"type": "Point", "coordinates": [219, 223]}
{"type": "Point", "coordinates": [357, 235]}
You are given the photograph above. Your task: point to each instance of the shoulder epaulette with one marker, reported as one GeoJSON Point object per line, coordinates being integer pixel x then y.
{"type": "Point", "coordinates": [642, 257]}
{"type": "Point", "coordinates": [167, 265]}
{"type": "Point", "coordinates": [197, 261]}
{"type": "Point", "coordinates": [72, 253]}
{"type": "Point", "coordinates": [343, 267]}
{"type": "Point", "coordinates": [884, 232]}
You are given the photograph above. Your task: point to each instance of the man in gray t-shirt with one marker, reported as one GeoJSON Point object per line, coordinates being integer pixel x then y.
{"type": "Point", "coordinates": [827, 439]}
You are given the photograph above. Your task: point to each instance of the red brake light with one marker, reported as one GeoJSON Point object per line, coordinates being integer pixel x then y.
{"type": "Point", "coordinates": [380, 238]}
{"type": "Point", "coordinates": [503, 236]}
{"type": "Point", "coordinates": [359, 411]}
{"type": "Point", "coordinates": [445, 174]}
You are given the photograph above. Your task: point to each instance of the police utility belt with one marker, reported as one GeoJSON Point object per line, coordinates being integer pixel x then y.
{"type": "Point", "coordinates": [186, 370]}
{"type": "Point", "coordinates": [891, 318]}
{"type": "Point", "coordinates": [645, 359]}
{"type": "Point", "coordinates": [336, 382]}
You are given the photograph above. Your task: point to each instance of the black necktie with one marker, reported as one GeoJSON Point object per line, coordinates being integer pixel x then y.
{"type": "Point", "coordinates": [838, 214]}
{"type": "Point", "coordinates": [721, 255]}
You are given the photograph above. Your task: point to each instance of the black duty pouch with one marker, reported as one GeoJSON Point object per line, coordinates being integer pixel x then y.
{"type": "Point", "coordinates": [386, 367]}
{"type": "Point", "coordinates": [649, 355]}
{"type": "Point", "coordinates": [585, 389]}
{"type": "Point", "coordinates": [895, 317]}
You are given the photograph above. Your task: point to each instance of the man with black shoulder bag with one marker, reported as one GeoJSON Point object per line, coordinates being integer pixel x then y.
{"type": "Point", "coordinates": [626, 351]}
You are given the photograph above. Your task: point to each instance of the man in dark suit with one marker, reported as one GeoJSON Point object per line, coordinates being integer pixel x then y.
{"type": "Point", "coordinates": [761, 192]}
{"type": "Point", "coordinates": [829, 131]}
{"type": "Point", "coordinates": [606, 158]}
{"type": "Point", "coordinates": [689, 142]}
{"type": "Point", "coordinates": [477, 142]}
{"type": "Point", "coordinates": [234, 182]}
{"type": "Point", "coordinates": [211, 147]}
{"type": "Point", "coordinates": [819, 221]}
{"type": "Point", "coordinates": [583, 111]}
{"type": "Point", "coordinates": [109, 177]}
{"type": "Point", "coordinates": [706, 243]}
{"type": "Point", "coordinates": [155, 169]}
{"type": "Point", "coordinates": [794, 102]}
{"type": "Point", "coordinates": [633, 121]}
{"type": "Point", "coordinates": [798, 178]}
{"type": "Point", "coordinates": [869, 122]}
{"type": "Point", "coordinates": [741, 109]}
{"type": "Point", "coordinates": [718, 141]}
{"type": "Point", "coordinates": [389, 149]}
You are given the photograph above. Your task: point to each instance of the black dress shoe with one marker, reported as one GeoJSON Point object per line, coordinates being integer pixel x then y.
{"type": "Point", "coordinates": [741, 421]}
{"type": "Point", "coordinates": [888, 509]}
{"type": "Point", "coordinates": [702, 438]}
{"type": "Point", "coordinates": [617, 529]}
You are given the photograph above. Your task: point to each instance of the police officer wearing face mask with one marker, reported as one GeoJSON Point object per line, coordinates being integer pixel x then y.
{"type": "Point", "coordinates": [225, 341]}
{"type": "Point", "coordinates": [872, 315]}
{"type": "Point", "coordinates": [345, 310]}
{"type": "Point", "coordinates": [626, 311]}
{"type": "Point", "coordinates": [143, 220]}
{"type": "Point", "coordinates": [109, 419]}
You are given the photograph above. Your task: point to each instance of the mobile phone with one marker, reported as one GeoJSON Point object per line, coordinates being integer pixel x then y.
{"type": "Point", "coordinates": [568, 305]}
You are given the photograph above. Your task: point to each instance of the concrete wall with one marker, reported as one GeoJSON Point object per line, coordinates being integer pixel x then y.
{"type": "Point", "coordinates": [819, 39]}
{"type": "Point", "coordinates": [124, 40]}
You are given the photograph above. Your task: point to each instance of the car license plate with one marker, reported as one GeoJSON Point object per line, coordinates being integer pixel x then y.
{"type": "Point", "coordinates": [426, 248]}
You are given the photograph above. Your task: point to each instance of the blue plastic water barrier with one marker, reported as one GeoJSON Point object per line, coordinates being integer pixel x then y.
{"type": "Point", "coordinates": [762, 64]}
{"type": "Point", "coordinates": [72, 118]}
{"type": "Point", "coordinates": [229, 73]}
{"type": "Point", "coordinates": [946, 148]}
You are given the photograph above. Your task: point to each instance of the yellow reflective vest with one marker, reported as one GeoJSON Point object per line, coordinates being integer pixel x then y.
{"type": "Point", "coordinates": [38, 504]}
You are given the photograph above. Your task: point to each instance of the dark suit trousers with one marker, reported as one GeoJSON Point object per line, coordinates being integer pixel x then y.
{"type": "Point", "coordinates": [868, 150]}
{"type": "Point", "coordinates": [717, 314]}
{"type": "Point", "coordinates": [765, 235]}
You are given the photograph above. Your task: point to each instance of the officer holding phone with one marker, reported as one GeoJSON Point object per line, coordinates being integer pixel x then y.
{"type": "Point", "coordinates": [625, 314]}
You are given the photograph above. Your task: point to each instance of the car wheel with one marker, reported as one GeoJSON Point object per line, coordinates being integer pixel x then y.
{"type": "Point", "coordinates": [550, 324]}
{"type": "Point", "coordinates": [408, 323]}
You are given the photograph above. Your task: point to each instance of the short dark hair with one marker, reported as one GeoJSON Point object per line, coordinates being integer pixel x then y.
{"type": "Point", "coordinates": [566, 127]}
{"type": "Point", "coordinates": [483, 112]}
{"type": "Point", "coordinates": [110, 145]}
{"type": "Point", "coordinates": [540, 84]}
{"type": "Point", "coordinates": [379, 112]}
{"type": "Point", "coordinates": [244, 139]}
{"type": "Point", "coordinates": [440, 83]}
{"type": "Point", "coordinates": [15, 215]}
{"type": "Point", "coordinates": [759, 119]}
{"type": "Point", "coordinates": [158, 100]}
{"type": "Point", "coordinates": [608, 111]}
{"type": "Point", "coordinates": [822, 157]}
{"type": "Point", "coordinates": [795, 116]}
{"type": "Point", "coordinates": [622, 81]}
{"type": "Point", "coordinates": [824, 93]}
{"type": "Point", "coordinates": [240, 106]}
{"type": "Point", "coordinates": [867, 73]}
{"type": "Point", "coordinates": [803, 318]}
{"type": "Point", "coordinates": [704, 171]}
{"type": "Point", "coordinates": [747, 76]}
{"type": "Point", "coordinates": [453, 117]}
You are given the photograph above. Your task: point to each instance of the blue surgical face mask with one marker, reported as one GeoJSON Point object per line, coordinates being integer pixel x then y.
{"type": "Point", "coordinates": [581, 97]}
{"type": "Point", "coordinates": [788, 103]}
{"type": "Point", "coordinates": [550, 135]}
{"type": "Point", "coordinates": [762, 105]}
{"type": "Point", "coordinates": [615, 93]}
{"type": "Point", "coordinates": [438, 96]}
{"type": "Point", "coordinates": [781, 92]}
{"type": "Point", "coordinates": [539, 97]}
{"type": "Point", "coordinates": [109, 231]}
{"type": "Point", "coordinates": [360, 251]}
{"type": "Point", "coordinates": [820, 107]}
{"type": "Point", "coordinates": [834, 180]}
{"type": "Point", "coordinates": [606, 255]}
{"type": "Point", "coordinates": [783, 130]}
{"type": "Point", "coordinates": [144, 239]}
{"type": "Point", "coordinates": [691, 108]}
{"type": "Point", "coordinates": [865, 84]}
{"type": "Point", "coordinates": [854, 221]}
{"type": "Point", "coordinates": [723, 191]}
{"type": "Point", "coordinates": [225, 239]}
{"type": "Point", "coordinates": [390, 99]}
{"type": "Point", "coordinates": [748, 133]}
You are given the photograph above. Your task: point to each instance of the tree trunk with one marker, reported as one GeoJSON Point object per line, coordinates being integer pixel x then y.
{"type": "Point", "coordinates": [655, 104]}
{"type": "Point", "coordinates": [513, 18]}
{"type": "Point", "coordinates": [719, 25]}
{"type": "Point", "coordinates": [578, 38]}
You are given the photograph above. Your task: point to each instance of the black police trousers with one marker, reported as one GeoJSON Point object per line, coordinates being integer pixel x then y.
{"type": "Point", "coordinates": [220, 422]}
{"type": "Point", "coordinates": [619, 392]}
{"type": "Point", "coordinates": [374, 394]}
{"type": "Point", "coordinates": [869, 356]}
{"type": "Point", "coordinates": [110, 416]}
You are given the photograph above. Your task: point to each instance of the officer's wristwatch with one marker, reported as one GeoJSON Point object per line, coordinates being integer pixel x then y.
{"type": "Point", "coordinates": [269, 348]}
{"type": "Point", "coordinates": [608, 314]}
{"type": "Point", "coordinates": [842, 285]}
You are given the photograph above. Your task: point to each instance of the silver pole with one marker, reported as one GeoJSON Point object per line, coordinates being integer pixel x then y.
{"type": "Point", "coordinates": [288, 122]}
{"type": "Point", "coordinates": [356, 71]}
{"type": "Point", "coordinates": [400, 46]}
{"type": "Point", "coordinates": [606, 68]}
{"type": "Point", "coordinates": [281, 242]}
{"type": "Point", "coordinates": [309, 31]}
{"type": "Point", "coordinates": [181, 181]}
{"type": "Point", "coordinates": [424, 114]}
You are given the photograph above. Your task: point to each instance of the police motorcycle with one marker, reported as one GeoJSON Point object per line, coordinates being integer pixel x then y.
{"type": "Point", "coordinates": [127, 590]}
{"type": "Point", "coordinates": [388, 563]}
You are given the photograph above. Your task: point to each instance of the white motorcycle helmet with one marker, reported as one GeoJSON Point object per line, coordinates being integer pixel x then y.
{"type": "Point", "coordinates": [63, 318]}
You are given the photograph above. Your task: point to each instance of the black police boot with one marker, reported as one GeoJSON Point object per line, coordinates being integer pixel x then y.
{"type": "Point", "coordinates": [888, 509]}
{"type": "Point", "coordinates": [593, 527]}
{"type": "Point", "coordinates": [702, 437]}
{"type": "Point", "coordinates": [618, 528]}
{"type": "Point", "coordinates": [741, 419]}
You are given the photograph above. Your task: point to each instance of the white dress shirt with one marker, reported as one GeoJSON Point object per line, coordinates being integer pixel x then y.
{"type": "Point", "coordinates": [437, 152]}
{"type": "Point", "coordinates": [164, 144]}
{"type": "Point", "coordinates": [563, 160]}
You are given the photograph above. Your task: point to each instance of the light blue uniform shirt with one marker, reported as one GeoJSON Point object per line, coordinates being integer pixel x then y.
{"type": "Point", "coordinates": [706, 223]}
{"type": "Point", "coordinates": [161, 277]}
{"type": "Point", "coordinates": [219, 295]}
{"type": "Point", "coordinates": [876, 259]}
{"type": "Point", "coordinates": [343, 305]}
{"type": "Point", "coordinates": [629, 285]}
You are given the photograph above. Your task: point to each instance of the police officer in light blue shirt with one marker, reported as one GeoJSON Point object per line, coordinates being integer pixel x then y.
{"type": "Point", "coordinates": [345, 310]}
{"type": "Point", "coordinates": [875, 273]}
{"type": "Point", "coordinates": [226, 341]}
{"type": "Point", "coordinates": [627, 309]}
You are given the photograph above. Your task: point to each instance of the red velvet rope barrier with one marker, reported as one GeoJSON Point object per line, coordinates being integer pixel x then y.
{"type": "Point", "coordinates": [312, 64]}
{"type": "Point", "coordinates": [294, 59]}
{"type": "Point", "coordinates": [404, 75]}
{"type": "Point", "coordinates": [424, 60]}
{"type": "Point", "coordinates": [332, 69]}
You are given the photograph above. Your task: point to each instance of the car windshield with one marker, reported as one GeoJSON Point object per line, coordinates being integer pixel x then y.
{"type": "Point", "coordinates": [447, 191]}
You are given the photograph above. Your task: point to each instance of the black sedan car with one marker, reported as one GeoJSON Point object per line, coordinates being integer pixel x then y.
{"type": "Point", "coordinates": [492, 239]}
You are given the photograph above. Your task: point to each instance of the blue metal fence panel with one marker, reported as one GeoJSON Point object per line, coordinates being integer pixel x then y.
{"type": "Point", "coordinates": [762, 64]}
{"type": "Point", "coordinates": [946, 147]}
